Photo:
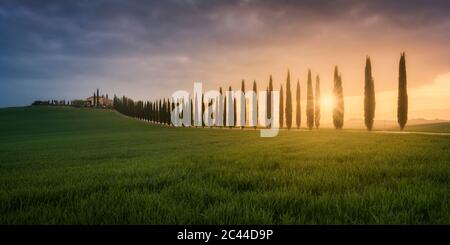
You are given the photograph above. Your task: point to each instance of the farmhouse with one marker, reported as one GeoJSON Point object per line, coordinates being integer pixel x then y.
{"type": "Point", "coordinates": [98, 100]}
{"type": "Point", "coordinates": [103, 101]}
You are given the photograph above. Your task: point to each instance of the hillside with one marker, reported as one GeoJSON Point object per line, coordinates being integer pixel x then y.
{"type": "Point", "coordinates": [83, 166]}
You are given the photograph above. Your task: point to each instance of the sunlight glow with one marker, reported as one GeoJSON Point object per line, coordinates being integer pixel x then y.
{"type": "Point", "coordinates": [327, 102]}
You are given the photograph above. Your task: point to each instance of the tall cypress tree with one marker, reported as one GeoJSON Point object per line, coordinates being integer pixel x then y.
{"type": "Point", "coordinates": [256, 93]}
{"type": "Point", "coordinates": [234, 112]}
{"type": "Point", "coordinates": [369, 96]}
{"type": "Point", "coordinates": [150, 110]}
{"type": "Point", "coordinates": [229, 114]}
{"type": "Point", "coordinates": [154, 112]}
{"type": "Point", "coordinates": [98, 99]}
{"type": "Point", "coordinates": [281, 107]}
{"type": "Point", "coordinates": [172, 108]}
{"type": "Point", "coordinates": [338, 110]}
{"type": "Point", "coordinates": [288, 107]}
{"type": "Point", "coordinates": [224, 110]}
{"type": "Point", "coordinates": [309, 103]}
{"type": "Point", "coordinates": [166, 108]}
{"type": "Point", "coordinates": [192, 112]}
{"type": "Point", "coordinates": [298, 114]}
{"type": "Point", "coordinates": [243, 107]}
{"type": "Point", "coordinates": [196, 112]}
{"type": "Point", "coordinates": [163, 111]}
{"type": "Point", "coordinates": [203, 111]}
{"type": "Point", "coordinates": [159, 111]}
{"type": "Point", "coordinates": [269, 98]}
{"type": "Point", "coordinates": [267, 106]}
{"type": "Point", "coordinates": [221, 107]}
{"type": "Point", "coordinates": [317, 103]}
{"type": "Point", "coordinates": [402, 109]}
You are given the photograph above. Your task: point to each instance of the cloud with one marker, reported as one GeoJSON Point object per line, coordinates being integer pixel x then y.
{"type": "Point", "coordinates": [160, 46]}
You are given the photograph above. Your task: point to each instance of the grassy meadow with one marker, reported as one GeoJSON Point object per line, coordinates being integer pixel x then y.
{"type": "Point", "coordinates": [61, 165]}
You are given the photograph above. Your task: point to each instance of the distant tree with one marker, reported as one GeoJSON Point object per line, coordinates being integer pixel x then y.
{"type": "Point", "coordinates": [203, 111]}
{"type": "Point", "coordinates": [163, 111]}
{"type": "Point", "coordinates": [243, 107]}
{"type": "Point", "coordinates": [167, 112]}
{"type": "Point", "coordinates": [267, 106]}
{"type": "Point", "coordinates": [234, 112]}
{"type": "Point", "coordinates": [196, 110]}
{"type": "Point", "coordinates": [298, 114]}
{"type": "Point", "coordinates": [170, 106]}
{"type": "Point", "coordinates": [288, 107]}
{"type": "Point", "coordinates": [221, 108]}
{"type": "Point", "coordinates": [402, 109]}
{"type": "Point", "coordinates": [369, 96]}
{"type": "Point", "coordinates": [77, 103]}
{"type": "Point", "coordinates": [150, 111]}
{"type": "Point", "coordinates": [317, 103]}
{"type": "Point", "coordinates": [159, 111]}
{"type": "Point", "coordinates": [224, 110]}
{"type": "Point", "coordinates": [94, 101]}
{"type": "Point", "coordinates": [255, 91]}
{"type": "Point", "coordinates": [231, 114]}
{"type": "Point", "coordinates": [98, 99]}
{"type": "Point", "coordinates": [338, 110]}
{"type": "Point", "coordinates": [309, 103]}
{"type": "Point", "coordinates": [281, 107]}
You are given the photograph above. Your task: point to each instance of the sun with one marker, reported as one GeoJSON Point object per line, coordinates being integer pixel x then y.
{"type": "Point", "coordinates": [327, 102]}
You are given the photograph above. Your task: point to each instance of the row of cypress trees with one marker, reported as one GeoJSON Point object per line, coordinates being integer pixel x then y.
{"type": "Point", "coordinates": [159, 111]}
{"type": "Point", "coordinates": [369, 95]}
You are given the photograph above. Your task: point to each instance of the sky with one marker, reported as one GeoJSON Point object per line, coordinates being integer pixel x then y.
{"type": "Point", "coordinates": [53, 49]}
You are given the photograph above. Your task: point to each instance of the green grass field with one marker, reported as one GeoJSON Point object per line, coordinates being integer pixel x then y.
{"type": "Point", "coordinates": [432, 127]}
{"type": "Point", "coordinates": [82, 166]}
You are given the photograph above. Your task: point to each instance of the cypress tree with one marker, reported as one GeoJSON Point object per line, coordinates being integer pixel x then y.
{"type": "Point", "coordinates": [163, 111]}
{"type": "Point", "coordinates": [317, 103]}
{"type": "Point", "coordinates": [402, 109]}
{"type": "Point", "coordinates": [98, 99]}
{"type": "Point", "coordinates": [192, 112]}
{"type": "Point", "coordinates": [298, 114]}
{"type": "Point", "coordinates": [159, 111]}
{"type": "Point", "coordinates": [154, 112]}
{"type": "Point", "coordinates": [170, 107]}
{"type": "Point", "coordinates": [309, 103]}
{"type": "Point", "coordinates": [256, 93]}
{"type": "Point", "coordinates": [267, 105]}
{"type": "Point", "coordinates": [243, 107]}
{"type": "Point", "coordinates": [151, 110]}
{"type": "Point", "coordinates": [288, 102]}
{"type": "Point", "coordinates": [165, 106]}
{"type": "Point", "coordinates": [229, 113]}
{"type": "Point", "coordinates": [220, 106]}
{"type": "Point", "coordinates": [203, 111]}
{"type": "Point", "coordinates": [224, 110]}
{"type": "Point", "coordinates": [94, 101]}
{"type": "Point", "coordinates": [196, 110]}
{"type": "Point", "coordinates": [338, 110]}
{"type": "Point", "coordinates": [234, 112]}
{"type": "Point", "coordinates": [369, 96]}
{"type": "Point", "coordinates": [281, 107]}
{"type": "Point", "coordinates": [269, 98]}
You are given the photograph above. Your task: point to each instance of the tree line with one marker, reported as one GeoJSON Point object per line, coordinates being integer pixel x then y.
{"type": "Point", "coordinates": [159, 111]}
